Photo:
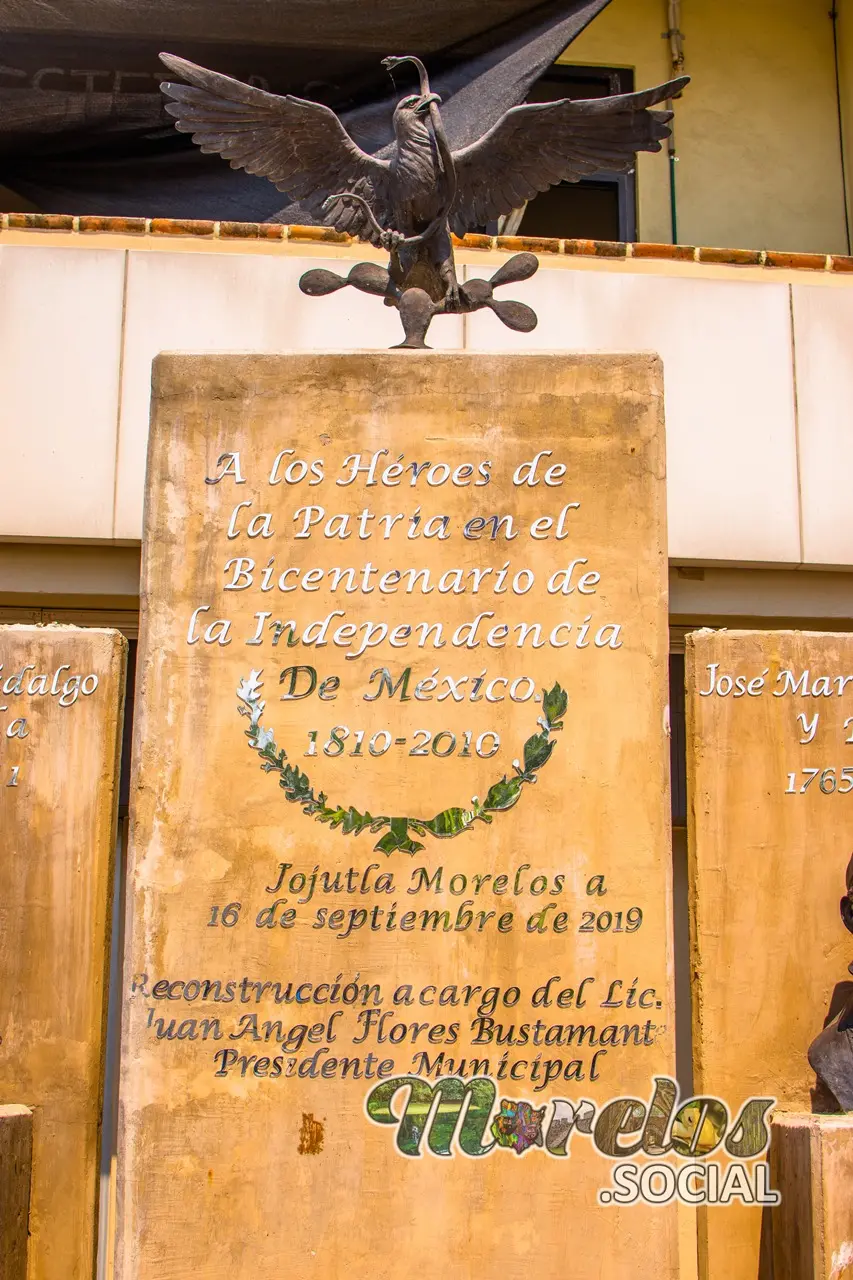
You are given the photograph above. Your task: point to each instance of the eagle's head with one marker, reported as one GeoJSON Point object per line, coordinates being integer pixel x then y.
{"type": "Point", "coordinates": [410, 114]}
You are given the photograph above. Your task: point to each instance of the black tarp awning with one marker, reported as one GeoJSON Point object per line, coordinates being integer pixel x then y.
{"type": "Point", "coordinates": [82, 125]}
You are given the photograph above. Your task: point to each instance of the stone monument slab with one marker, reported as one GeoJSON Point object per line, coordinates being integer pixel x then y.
{"type": "Point", "coordinates": [400, 850]}
{"type": "Point", "coordinates": [770, 794]}
{"type": "Point", "coordinates": [61, 700]}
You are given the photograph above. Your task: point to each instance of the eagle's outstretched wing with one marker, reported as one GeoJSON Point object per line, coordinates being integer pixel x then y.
{"type": "Point", "coordinates": [300, 146]}
{"type": "Point", "coordinates": [538, 145]}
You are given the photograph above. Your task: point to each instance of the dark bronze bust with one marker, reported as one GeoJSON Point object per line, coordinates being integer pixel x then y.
{"type": "Point", "coordinates": [831, 1054]}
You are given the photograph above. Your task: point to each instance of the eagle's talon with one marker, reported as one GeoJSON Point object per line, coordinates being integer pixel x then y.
{"type": "Point", "coordinates": [390, 240]}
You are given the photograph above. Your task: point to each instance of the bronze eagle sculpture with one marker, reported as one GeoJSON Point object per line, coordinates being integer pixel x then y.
{"type": "Point", "coordinates": [409, 197]}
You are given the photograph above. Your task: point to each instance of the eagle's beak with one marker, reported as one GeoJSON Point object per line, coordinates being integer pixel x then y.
{"type": "Point", "coordinates": [426, 101]}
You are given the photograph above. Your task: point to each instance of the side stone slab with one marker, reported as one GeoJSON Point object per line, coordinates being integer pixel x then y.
{"type": "Point", "coordinates": [61, 703]}
{"type": "Point", "coordinates": [770, 791]}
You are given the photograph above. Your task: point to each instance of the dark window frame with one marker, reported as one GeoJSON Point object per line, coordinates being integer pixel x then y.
{"type": "Point", "coordinates": [612, 80]}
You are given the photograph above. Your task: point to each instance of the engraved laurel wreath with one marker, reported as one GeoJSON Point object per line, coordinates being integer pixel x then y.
{"type": "Point", "coordinates": [446, 825]}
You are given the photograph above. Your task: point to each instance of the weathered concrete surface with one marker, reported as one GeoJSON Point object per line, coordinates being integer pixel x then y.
{"type": "Point", "coordinates": [812, 1165]}
{"type": "Point", "coordinates": [767, 873]}
{"type": "Point", "coordinates": [16, 1160]}
{"type": "Point", "coordinates": [60, 737]}
{"type": "Point", "coordinates": [236, 1175]}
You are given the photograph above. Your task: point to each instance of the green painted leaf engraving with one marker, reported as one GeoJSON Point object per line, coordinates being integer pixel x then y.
{"type": "Point", "coordinates": [503, 795]}
{"type": "Point", "coordinates": [446, 825]}
{"type": "Point", "coordinates": [393, 843]}
{"type": "Point", "coordinates": [537, 751]}
{"type": "Point", "coordinates": [450, 823]}
{"type": "Point", "coordinates": [554, 705]}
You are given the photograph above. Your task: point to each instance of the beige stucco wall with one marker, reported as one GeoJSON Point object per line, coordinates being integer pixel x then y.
{"type": "Point", "coordinates": [756, 474]}
{"type": "Point", "coordinates": [757, 130]}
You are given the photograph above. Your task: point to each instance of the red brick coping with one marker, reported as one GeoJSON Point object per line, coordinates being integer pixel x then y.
{"type": "Point", "coordinates": [85, 225]}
